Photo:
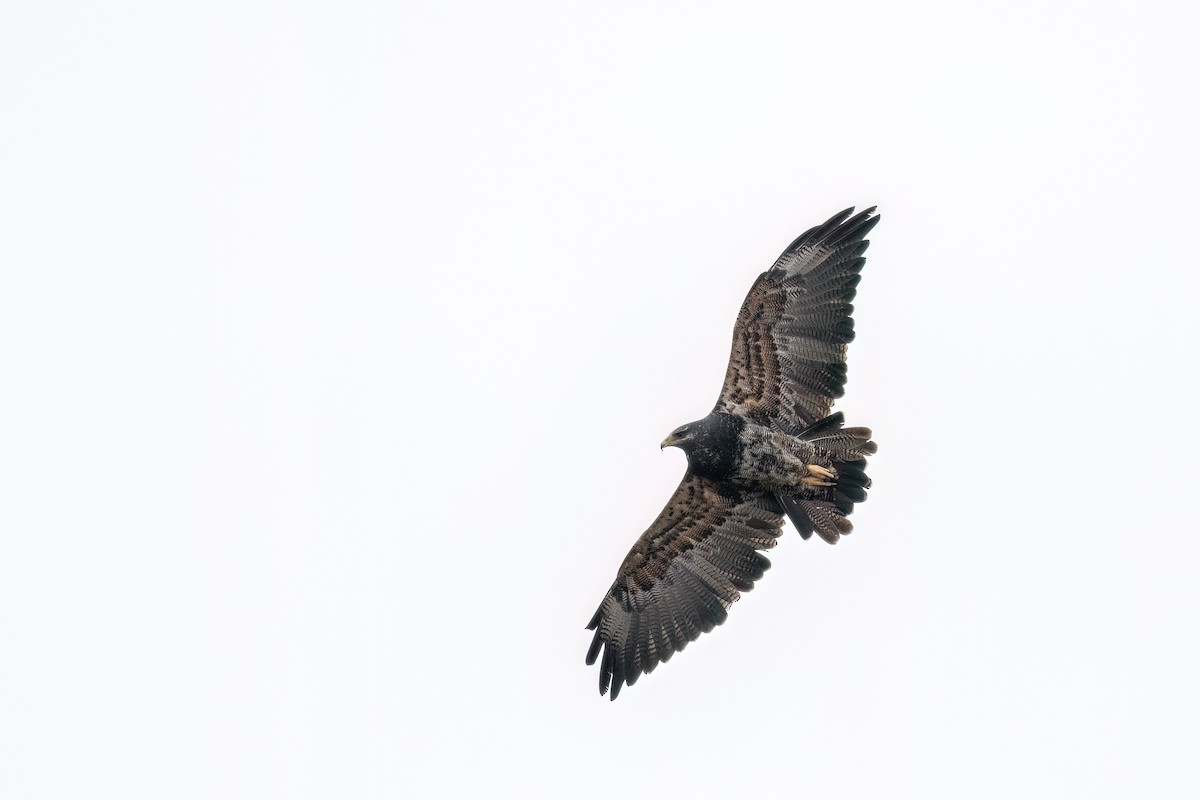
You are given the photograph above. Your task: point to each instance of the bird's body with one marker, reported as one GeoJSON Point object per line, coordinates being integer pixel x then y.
{"type": "Point", "coordinates": [769, 449]}
{"type": "Point", "coordinates": [726, 447]}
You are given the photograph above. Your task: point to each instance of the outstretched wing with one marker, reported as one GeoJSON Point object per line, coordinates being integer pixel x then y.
{"type": "Point", "coordinates": [681, 577]}
{"type": "Point", "coordinates": [788, 361]}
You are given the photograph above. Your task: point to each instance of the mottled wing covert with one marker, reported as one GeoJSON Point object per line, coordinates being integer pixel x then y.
{"type": "Point", "coordinates": [788, 361]}
{"type": "Point", "coordinates": [681, 576]}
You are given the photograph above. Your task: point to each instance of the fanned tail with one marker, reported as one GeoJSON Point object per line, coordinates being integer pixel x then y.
{"type": "Point", "coordinates": [823, 510]}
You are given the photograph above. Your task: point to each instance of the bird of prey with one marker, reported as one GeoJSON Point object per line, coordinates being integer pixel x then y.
{"type": "Point", "coordinates": [769, 448]}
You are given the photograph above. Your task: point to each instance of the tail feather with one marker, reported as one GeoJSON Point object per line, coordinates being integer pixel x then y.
{"type": "Point", "coordinates": [846, 444]}
{"type": "Point", "coordinates": [823, 510]}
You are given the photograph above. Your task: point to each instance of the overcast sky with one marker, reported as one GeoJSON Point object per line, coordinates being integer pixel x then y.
{"type": "Point", "coordinates": [337, 342]}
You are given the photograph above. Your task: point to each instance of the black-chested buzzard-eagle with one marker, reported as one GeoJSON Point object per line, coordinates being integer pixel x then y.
{"type": "Point", "coordinates": [768, 449]}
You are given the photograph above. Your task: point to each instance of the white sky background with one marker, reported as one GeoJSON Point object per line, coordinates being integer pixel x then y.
{"type": "Point", "coordinates": [337, 344]}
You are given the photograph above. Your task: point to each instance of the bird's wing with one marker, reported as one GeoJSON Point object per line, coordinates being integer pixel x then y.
{"type": "Point", "coordinates": [788, 361]}
{"type": "Point", "coordinates": [681, 577]}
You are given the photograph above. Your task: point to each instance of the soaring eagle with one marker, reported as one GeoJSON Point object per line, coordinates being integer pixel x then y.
{"type": "Point", "coordinates": [769, 448]}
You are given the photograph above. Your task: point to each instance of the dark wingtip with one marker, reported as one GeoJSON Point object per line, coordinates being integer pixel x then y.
{"type": "Point", "coordinates": [856, 228]}
{"type": "Point", "coordinates": [820, 231]}
{"type": "Point", "coordinates": [595, 621]}
{"type": "Point", "coordinates": [593, 650]}
{"type": "Point", "coordinates": [844, 226]}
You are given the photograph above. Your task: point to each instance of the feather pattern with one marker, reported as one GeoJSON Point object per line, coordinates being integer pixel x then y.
{"type": "Point", "coordinates": [769, 448]}
{"type": "Point", "coordinates": [681, 577]}
{"type": "Point", "coordinates": [788, 360]}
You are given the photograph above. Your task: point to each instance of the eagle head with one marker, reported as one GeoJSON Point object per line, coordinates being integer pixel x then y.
{"type": "Point", "coordinates": [680, 436]}
{"type": "Point", "coordinates": [711, 444]}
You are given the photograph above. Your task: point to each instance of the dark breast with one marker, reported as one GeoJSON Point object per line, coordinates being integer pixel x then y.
{"type": "Point", "coordinates": [716, 449]}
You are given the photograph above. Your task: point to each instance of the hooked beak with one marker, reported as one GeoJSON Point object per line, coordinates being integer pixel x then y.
{"type": "Point", "coordinates": [671, 441]}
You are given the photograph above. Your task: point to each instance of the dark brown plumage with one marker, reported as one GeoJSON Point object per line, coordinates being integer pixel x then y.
{"type": "Point", "coordinates": [769, 449]}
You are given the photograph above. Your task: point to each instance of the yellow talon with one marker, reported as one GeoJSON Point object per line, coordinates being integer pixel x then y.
{"type": "Point", "coordinates": [818, 476]}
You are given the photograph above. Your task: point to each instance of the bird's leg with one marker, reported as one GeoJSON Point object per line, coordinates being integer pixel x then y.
{"type": "Point", "coordinates": [818, 476]}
